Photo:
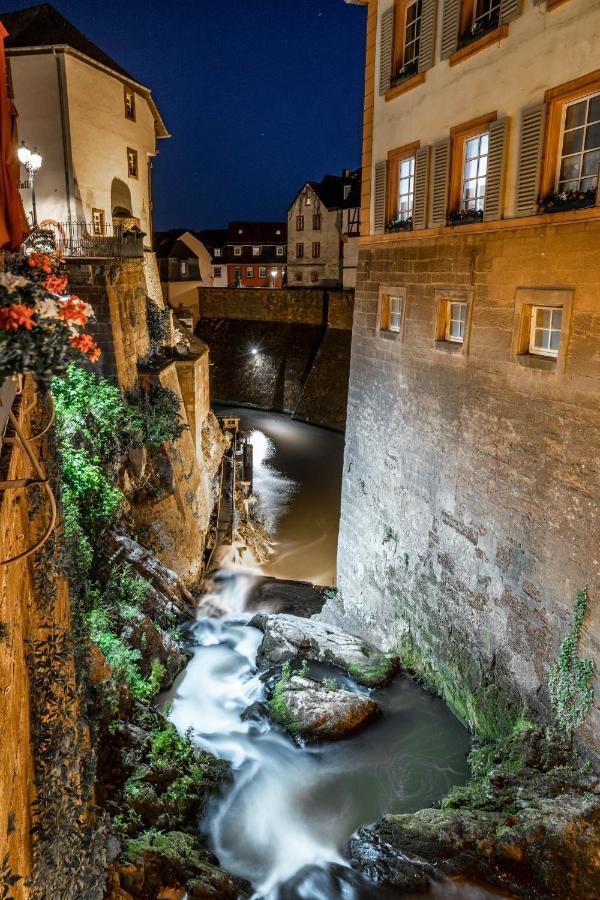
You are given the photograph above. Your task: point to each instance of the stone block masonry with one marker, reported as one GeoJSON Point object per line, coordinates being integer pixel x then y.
{"type": "Point", "coordinates": [471, 496]}
{"type": "Point", "coordinates": [302, 339]}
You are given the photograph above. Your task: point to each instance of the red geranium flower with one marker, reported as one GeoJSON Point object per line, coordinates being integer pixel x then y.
{"type": "Point", "coordinates": [15, 316]}
{"type": "Point", "coordinates": [56, 284]}
{"type": "Point", "coordinates": [86, 344]}
{"type": "Point", "coordinates": [41, 261]}
{"type": "Point", "coordinates": [72, 310]}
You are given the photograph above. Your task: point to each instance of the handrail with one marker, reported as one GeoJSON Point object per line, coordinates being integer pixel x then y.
{"type": "Point", "coordinates": [42, 480]}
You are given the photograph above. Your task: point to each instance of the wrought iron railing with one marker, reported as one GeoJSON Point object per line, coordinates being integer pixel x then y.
{"type": "Point", "coordinates": [92, 240]}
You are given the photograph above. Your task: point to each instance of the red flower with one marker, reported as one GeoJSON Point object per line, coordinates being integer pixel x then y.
{"type": "Point", "coordinates": [72, 310]}
{"type": "Point", "coordinates": [56, 284]}
{"type": "Point", "coordinates": [41, 261]}
{"type": "Point", "coordinates": [86, 344]}
{"type": "Point", "coordinates": [16, 315]}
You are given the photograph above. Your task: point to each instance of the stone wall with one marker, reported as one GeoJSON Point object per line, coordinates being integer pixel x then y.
{"type": "Point", "coordinates": [302, 339]}
{"type": "Point", "coordinates": [471, 497]}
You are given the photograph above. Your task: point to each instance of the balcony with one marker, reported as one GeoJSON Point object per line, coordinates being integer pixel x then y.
{"type": "Point", "coordinates": [84, 240]}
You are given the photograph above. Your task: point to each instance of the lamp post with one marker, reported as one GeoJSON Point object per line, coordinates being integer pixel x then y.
{"type": "Point", "coordinates": [32, 161]}
{"type": "Point", "coordinates": [274, 274]}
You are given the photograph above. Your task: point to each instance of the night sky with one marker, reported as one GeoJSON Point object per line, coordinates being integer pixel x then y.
{"type": "Point", "coordinates": [258, 95]}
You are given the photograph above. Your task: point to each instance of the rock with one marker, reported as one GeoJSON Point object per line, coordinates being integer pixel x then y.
{"type": "Point", "coordinates": [299, 598]}
{"type": "Point", "coordinates": [528, 822]}
{"type": "Point", "coordinates": [310, 709]}
{"type": "Point", "coordinates": [137, 460]}
{"type": "Point", "coordinates": [288, 637]}
{"type": "Point", "coordinates": [142, 633]}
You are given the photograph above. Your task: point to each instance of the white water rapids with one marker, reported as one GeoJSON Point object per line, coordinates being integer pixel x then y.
{"type": "Point", "coordinates": [284, 822]}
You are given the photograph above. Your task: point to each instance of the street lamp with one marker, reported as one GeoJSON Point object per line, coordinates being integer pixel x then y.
{"type": "Point", "coordinates": [274, 273]}
{"type": "Point", "coordinates": [32, 161]}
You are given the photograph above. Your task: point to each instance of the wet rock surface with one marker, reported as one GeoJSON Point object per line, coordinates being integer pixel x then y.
{"type": "Point", "coordinates": [528, 822]}
{"type": "Point", "coordinates": [288, 637]}
{"type": "Point", "coordinates": [311, 709]}
{"type": "Point", "coordinates": [298, 598]}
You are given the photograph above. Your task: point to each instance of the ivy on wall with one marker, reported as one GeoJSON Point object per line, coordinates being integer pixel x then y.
{"type": "Point", "coordinates": [571, 678]}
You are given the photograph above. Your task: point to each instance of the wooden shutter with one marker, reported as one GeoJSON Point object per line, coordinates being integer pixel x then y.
{"type": "Point", "coordinates": [494, 185]}
{"type": "Point", "coordinates": [450, 26]}
{"type": "Point", "coordinates": [380, 197]}
{"type": "Point", "coordinates": [440, 174]}
{"type": "Point", "coordinates": [509, 10]}
{"type": "Point", "coordinates": [421, 182]}
{"type": "Point", "coordinates": [530, 159]}
{"type": "Point", "coordinates": [427, 38]}
{"type": "Point", "coordinates": [386, 44]}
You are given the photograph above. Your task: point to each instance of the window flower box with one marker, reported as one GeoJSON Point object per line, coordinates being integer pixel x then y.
{"type": "Point", "coordinates": [568, 200]}
{"type": "Point", "coordinates": [478, 30]}
{"type": "Point", "coordinates": [405, 73]}
{"type": "Point", "coordinates": [399, 225]}
{"type": "Point", "coordinates": [466, 217]}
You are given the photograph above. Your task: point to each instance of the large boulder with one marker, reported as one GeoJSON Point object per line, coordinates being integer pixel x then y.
{"type": "Point", "coordinates": [322, 710]}
{"type": "Point", "coordinates": [289, 637]}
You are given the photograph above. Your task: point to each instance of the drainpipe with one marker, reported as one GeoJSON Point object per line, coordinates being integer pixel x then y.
{"type": "Point", "coordinates": [64, 119]}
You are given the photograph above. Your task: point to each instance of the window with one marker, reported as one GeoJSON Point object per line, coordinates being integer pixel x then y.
{"type": "Point", "coordinates": [406, 188]}
{"type": "Point", "coordinates": [298, 276]}
{"type": "Point", "coordinates": [307, 200]}
{"type": "Point", "coordinates": [456, 319]}
{"type": "Point", "coordinates": [316, 249]}
{"type": "Point", "coordinates": [580, 146]}
{"type": "Point", "coordinates": [299, 251]}
{"type": "Point", "coordinates": [474, 172]}
{"type": "Point", "coordinates": [299, 223]}
{"type": "Point", "coordinates": [317, 222]}
{"type": "Point", "coordinates": [237, 272]}
{"type": "Point", "coordinates": [237, 251]}
{"type": "Point", "coordinates": [132, 163]}
{"type": "Point", "coordinates": [129, 104]}
{"type": "Point", "coordinates": [217, 271]}
{"type": "Point", "coordinates": [392, 306]}
{"type": "Point", "coordinates": [218, 251]}
{"type": "Point", "coordinates": [486, 14]}
{"type": "Point", "coordinates": [98, 221]}
{"type": "Point", "coordinates": [256, 251]}
{"type": "Point", "coordinates": [400, 185]}
{"type": "Point", "coordinates": [280, 251]}
{"type": "Point", "coordinates": [412, 32]}
{"type": "Point", "coordinates": [546, 326]}
{"type": "Point", "coordinates": [347, 191]}
{"type": "Point", "coordinates": [249, 271]}
{"type": "Point", "coordinates": [262, 272]}
{"type": "Point", "coordinates": [183, 267]}
{"type": "Point", "coordinates": [314, 277]}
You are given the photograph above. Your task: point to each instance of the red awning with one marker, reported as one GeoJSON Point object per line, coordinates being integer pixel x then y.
{"type": "Point", "coordinates": [13, 224]}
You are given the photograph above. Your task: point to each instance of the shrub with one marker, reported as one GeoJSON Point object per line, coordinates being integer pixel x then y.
{"type": "Point", "coordinates": [157, 415]}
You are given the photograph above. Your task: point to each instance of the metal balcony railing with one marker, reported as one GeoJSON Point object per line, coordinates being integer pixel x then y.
{"type": "Point", "coordinates": [92, 240]}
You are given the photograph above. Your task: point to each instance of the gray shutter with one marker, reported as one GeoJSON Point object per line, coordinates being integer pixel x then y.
{"type": "Point", "coordinates": [450, 26]}
{"type": "Point", "coordinates": [421, 182]}
{"type": "Point", "coordinates": [509, 10]}
{"type": "Point", "coordinates": [386, 44]}
{"type": "Point", "coordinates": [380, 197]}
{"type": "Point", "coordinates": [427, 37]}
{"type": "Point", "coordinates": [440, 175]}
{"type": "Point", "coordinates": [530, 159]}
{"type": "Point", "coordinates": [494, 185]}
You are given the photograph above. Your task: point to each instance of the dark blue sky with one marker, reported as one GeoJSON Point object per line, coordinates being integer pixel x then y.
{"type": "Point", "coordinates": [259, 96]}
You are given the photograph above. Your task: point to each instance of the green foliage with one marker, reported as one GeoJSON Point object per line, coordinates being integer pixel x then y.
{"type": "Point", "coordinates": [124, 660]}
{"type": "Point", "coordinates": [157, 320]}
{"type": "Point", "coordinates": [156, 414]}
{"type": "Point", "coordinates": [570, 681]}
{"type": "Point", "coordinates": [330, 684]}
{"type": "Point", "coordinates": [168, 747]}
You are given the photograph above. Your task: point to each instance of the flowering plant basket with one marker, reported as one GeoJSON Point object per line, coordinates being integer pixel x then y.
{"type": "Point", "coordinates": [41, 323]}
{"type": "Point", "coordinates": [399, 224]}
{"type": "Point", "coordinates": [406, 72]}
{"type": "Point", "coordinates": [466, 217]}
{"type": "Point", "coordinates": [568, 200]}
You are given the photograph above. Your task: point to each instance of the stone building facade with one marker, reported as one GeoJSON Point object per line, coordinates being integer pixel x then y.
{"type": "Point", "coordinates": [323, 231]}
{"type": "Point", "coordinates": [470, 510]}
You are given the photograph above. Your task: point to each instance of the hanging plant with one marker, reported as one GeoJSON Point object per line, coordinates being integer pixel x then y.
{"type": "Point", "coordinates": [41, 323]}
{"type": "Point", "coordinates": [565, 200]}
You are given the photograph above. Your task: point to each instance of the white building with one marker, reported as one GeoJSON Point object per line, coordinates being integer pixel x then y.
{"type": "Point", "coordinates": [95, 126]}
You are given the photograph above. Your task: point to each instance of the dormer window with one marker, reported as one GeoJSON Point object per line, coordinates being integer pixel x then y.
{"type": "Point", "coordinates": [218, 251]}
{"type": "Point", "coordinates": [129, 104]}
{"type": "Point", "coordinates": [237, 251]}
{"type": "Point", "coordinates": [346, 191]}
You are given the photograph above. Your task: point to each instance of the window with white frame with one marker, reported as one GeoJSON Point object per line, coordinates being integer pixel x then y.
{"type": "Point", "coordinates": [217, 251]}
{"type": "Point", "coordinates": [256, 251]}
{"type": "Point", "coordinates": [391, 313]}
{"type": "Point", "coordinates": [249, 271]}
{"type": "Point", "coordinates": [262, 272]}
{"type": "Point", "coordinates": [237, 251]}
{"type": "Point", "coordinates": [98, 221]}
{"type": "Point", "coordinates": [475, 172]}
{"type": "Point", "coordinates": [217, 271]}
{"type": "Point", "coordinates": [546, 326]}
{"type": "Point", "coordinates": [580, 151]}
{"type": "Point", "coordinates": [485, 12]}
{"type": "Point", "coordinates": [412, 32]}
{"type": "Point", "coordinates": [406, 188]}
{"type": "Point", "coordinates": [183, 267]}
{"type": "Point", "coordinates": [456, 320]}
{"type": "Point", "coordinates": [280, 251]}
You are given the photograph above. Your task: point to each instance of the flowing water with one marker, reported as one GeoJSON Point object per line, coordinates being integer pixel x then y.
{"type": "Point", "coordinates": [284, 822]}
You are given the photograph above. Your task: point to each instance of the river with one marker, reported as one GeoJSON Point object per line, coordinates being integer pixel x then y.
{"type": "Point", "coordinates": [285, 821]}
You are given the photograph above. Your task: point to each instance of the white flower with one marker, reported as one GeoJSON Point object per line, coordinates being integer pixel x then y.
{"type": "Point", "coordinates": [47, 308]}
{"type": "Point", "coordinates": [13, 282]}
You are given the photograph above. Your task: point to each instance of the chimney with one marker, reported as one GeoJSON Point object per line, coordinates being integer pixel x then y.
{"type": "Point", "coordinates": [345, 173]}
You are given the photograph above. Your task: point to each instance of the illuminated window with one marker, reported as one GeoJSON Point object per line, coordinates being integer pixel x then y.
{"type": "Point", "coordinates": [129, 104]}
{"type": "Point", "coordinates": [546, 326]}
{"type": "Point", "coordinates": [580, 151]}
{"type": "Point", "coordinates": [217, 251]}
{"type": "Point", "coordinates": [183, 267]}
{"type": "Point", "coordinates": [412, 32]}
{"type": "Point", "coordinates": [217, 271]}
{"type": "Point", "coordinates": [316, 249]}
{"type": "Point", "coordinates": [406, 188]}
{"type": "Point", "coordinates": [256, 251]}
{"type": "Point", "coordinates": [307, 200]}
{"type": "Point", "coordinates": [132, 163]}
{"type": "Point", "coordinates": [475, 171]}
{"type": "Point", "coordinates": [299, 223]}
{"type": "Point", "coordinates": [391, 313]}
{"type": "Point", "coordinates": [237, 251]}
{"type": "Point", "coordinates": [486, 13]}
{"type": "Point", "coordinates": [317, 222]}
{"type": "Point", "coordinates": [249, 271]}
{"type": "Point", "coordinates": [299, 251]}
{"type": "Point", "coordinates": [456, 318]}
{"type": "Point", "coordinates": [98, 221]}
{"type": "Point", "coordinates": [280, 251]}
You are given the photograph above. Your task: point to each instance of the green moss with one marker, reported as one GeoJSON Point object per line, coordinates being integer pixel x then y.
{"type": "Point", "coordinates": [373, 675]}
{"type": "Point", "coordinates": [277, 703]}
{"type": "Point", "coordinates": [571, 679]}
